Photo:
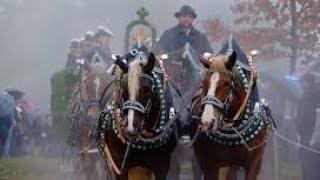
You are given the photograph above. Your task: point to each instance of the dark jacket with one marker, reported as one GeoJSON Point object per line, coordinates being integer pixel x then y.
{"type": "Point", "coordinates": [176, 37]}
{"type": "Point", "coordinates": [307, 114]}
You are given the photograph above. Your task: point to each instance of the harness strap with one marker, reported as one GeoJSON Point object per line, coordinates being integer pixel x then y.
{"type": "Point", "coordinates": [250, 87]}
{"type": "Point", "coordinates": [104, 92]}
{"type": "Point", "coordinates": [135, 105]}
{"type": "Point", "coordinates": [213, 101]}
{"type": "Point", "coordinates": [110, 160]}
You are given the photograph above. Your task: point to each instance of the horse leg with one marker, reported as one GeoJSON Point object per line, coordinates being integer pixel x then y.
{"type": "Point", "coordinates": [211, 173]}
{"type": "Point", "coordinates": [161, 173]}
{"type": "Point", "coordinates": [253, 169]}
{"type": "Point", "coordinates": [231, 172]}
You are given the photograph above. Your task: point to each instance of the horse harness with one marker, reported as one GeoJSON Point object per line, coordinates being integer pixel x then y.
{"type": "Point", "coordinates": [108, 122]}
{"type": "Point", "coordinates": [242, 130]}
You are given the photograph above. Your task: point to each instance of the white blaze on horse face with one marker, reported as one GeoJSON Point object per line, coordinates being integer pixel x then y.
{"type": "Point", "coordinates": [133, 85]}
{"type": "Point", "coordinates": [130, 127]}
{"type": "Point", "coordinates": [97, 86]}
{"type": "Point", "coordinates": [209, 111]}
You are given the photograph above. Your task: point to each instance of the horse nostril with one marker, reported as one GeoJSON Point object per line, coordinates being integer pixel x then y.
{"type": "Point", "coordinates": [131, 132]}
{"type": "Point", "coordinates": [207, 123]}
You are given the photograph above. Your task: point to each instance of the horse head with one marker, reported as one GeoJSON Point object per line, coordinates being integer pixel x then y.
{"type": "Point", "coordinates": [139, 101]}
{"type": "Point", "coordinates": [220, 97]}
{"type": "Point", "coordinates": [91, 85]}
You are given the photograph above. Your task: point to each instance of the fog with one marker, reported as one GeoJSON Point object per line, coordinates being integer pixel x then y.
{"type": "Point", "coordinates": [35, 33]}
{"type": "Point", "coordinates": [34, 43]}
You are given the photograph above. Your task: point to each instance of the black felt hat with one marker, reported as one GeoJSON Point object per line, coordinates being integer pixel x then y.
{"type": "Point", "coordinates": [186, 10]}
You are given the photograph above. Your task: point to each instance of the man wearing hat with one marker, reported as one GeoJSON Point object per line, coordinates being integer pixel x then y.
{"type": "Point", "coordinates": [74, 54]}
{"type": "Point", "coordinates": [306, 125]}
{"type": "Point", "coordinates": [90, 42]}
{"type": "Point", "coordinates": [104, 36]}
{"type": "Point", "coordinates": [100, 49]}
{"type": "Point", "coordinates": [176, 37]}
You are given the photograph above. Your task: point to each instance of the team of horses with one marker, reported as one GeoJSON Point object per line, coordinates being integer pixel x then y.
{"type": "Point", "coordinates": [131, 116]}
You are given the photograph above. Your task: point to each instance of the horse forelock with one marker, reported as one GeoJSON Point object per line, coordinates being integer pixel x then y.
{"type": "Point", "coordinates": [134, 73]}
{"type": "Point", "coordinates": [217, 66]}
{"type": "Point", "coordinates": [218, 63]}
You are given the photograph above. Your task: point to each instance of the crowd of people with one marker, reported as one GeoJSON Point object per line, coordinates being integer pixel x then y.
{"type": "Point", "coordinates": [94, 46]}
{"type": "Point", "coordinates": [24, 125]}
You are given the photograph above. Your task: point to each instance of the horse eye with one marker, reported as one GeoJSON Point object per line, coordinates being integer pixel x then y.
{"type": "Point", "coordinates": [146, 89]}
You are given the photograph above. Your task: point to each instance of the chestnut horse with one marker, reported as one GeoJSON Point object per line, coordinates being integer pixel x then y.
{"type": "Point", "coordinates": [82, 115]}
{"type": "Point", "coordinates": [137, 131]}
{"type": "Point", "coordinates": [220, 140]}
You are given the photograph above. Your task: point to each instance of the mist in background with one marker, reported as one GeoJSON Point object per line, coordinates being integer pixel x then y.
{"type": "Point", "coordinates": [35, 34]}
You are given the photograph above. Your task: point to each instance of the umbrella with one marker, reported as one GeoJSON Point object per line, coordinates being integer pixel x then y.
{"type": "Point", "coordinates": [15, 93]}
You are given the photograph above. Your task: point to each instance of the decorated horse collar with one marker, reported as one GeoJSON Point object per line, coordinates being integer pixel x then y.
{"type": "Point", "coordinates": [249, 125]}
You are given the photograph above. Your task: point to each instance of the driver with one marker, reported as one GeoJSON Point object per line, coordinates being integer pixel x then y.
{"type": "Point", "coordinates": [176, 37]}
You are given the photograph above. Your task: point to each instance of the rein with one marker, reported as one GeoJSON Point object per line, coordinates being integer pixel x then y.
{"type": "Point", "coordinates": [251, 83]}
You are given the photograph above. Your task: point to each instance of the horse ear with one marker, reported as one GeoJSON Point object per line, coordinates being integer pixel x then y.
{"type": "Point", "coordinates": [123, 66]}
{"type": "Point", "coordinates": [231, 60]}
{"type": "Point", "coordinates": [205, 59]}
{"type": "Point", "coordinates": [150, 64]}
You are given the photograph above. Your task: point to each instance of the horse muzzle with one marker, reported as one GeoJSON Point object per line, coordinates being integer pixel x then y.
{"type": "Point", "coordinates": [208, 126]}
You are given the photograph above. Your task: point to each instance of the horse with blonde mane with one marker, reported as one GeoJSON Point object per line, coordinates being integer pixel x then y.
{"type": "Point", "coordinates": [137, 130]}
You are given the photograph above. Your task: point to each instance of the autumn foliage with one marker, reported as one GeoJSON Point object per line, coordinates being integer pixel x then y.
{"type": "Point", "coordinates": [278, 27]}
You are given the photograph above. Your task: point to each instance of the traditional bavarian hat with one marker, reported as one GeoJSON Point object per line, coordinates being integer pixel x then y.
{"type": "Point", "coordinates": [15, 93]}
{"type": "Point", "coordinates": [89, 36]}
{"type": "Point", "coordinates": [75, 43]}
{"type": "Point", "coordinates": [103, 30]}
{"type": "Point", "coordinates": [186, 10]}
